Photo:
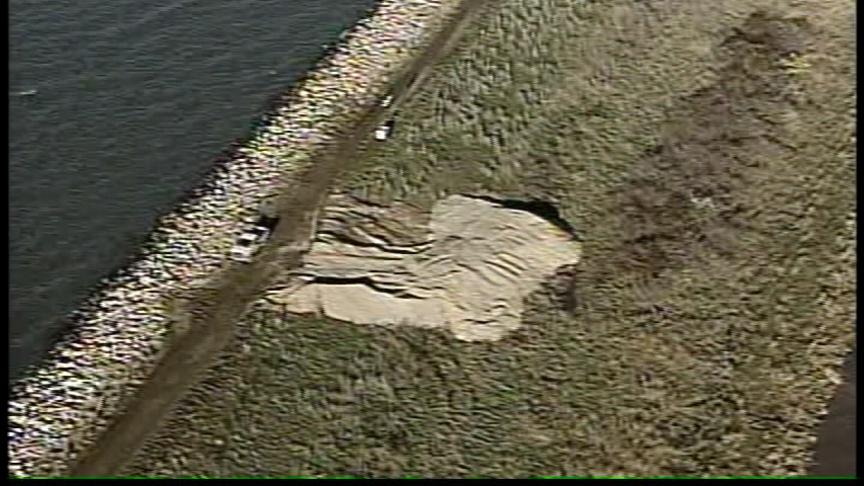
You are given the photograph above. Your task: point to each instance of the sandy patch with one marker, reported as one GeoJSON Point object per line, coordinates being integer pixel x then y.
{"type": "Point", "coordinates": [466, 266]}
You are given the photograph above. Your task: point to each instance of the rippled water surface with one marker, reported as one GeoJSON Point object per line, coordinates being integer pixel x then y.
{"type": "Point", "coordinates": [116, 109]}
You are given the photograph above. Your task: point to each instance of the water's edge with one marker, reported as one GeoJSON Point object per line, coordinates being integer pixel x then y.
{"type": "Point", "coordinates": [97, 212]}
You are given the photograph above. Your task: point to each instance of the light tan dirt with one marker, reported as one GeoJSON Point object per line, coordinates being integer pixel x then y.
{"type": "Point", "coordinates": [468, 271]}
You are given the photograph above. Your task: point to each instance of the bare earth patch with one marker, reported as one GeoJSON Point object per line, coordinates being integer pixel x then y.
{"type": "Point", "coordinates": [466, 267]}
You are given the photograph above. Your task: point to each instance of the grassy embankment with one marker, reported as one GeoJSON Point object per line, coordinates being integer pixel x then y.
{"type": "Point", "coordinates": [704, 150]}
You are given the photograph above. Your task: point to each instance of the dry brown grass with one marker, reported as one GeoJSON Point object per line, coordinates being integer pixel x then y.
{"type": "Point", "coordinates": [697, 336]}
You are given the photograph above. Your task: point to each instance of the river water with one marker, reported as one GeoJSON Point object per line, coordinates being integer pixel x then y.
{"type": "Point", "coordinates": [116, 110]}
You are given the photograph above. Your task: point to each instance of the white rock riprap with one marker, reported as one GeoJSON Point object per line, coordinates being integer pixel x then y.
{"type": "Point", "coordinates": [466, 267]}
{"type": "Point", "coordinates": [58, 409]}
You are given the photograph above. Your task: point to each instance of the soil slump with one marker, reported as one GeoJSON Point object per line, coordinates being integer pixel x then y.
{"type": "Point", "coordinates": [466, 266]}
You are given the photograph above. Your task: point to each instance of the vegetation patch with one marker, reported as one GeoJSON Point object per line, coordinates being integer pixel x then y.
{"type": "Point", "coordinates": [709, 173]}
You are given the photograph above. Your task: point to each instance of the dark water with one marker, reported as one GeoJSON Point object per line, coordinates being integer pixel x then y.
{"type": "Point", "coordinates": [133, 99]}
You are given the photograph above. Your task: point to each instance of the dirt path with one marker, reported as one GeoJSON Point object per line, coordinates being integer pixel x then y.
{"type": "Point", "coordinates": [215, 311]}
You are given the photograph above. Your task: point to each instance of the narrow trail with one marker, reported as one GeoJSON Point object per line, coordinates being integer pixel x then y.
{"type": "Point", "coordinates": [215, 311]}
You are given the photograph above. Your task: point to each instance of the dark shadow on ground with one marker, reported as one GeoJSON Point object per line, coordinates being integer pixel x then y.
{"type": "Point", "coordinates": [835, 449]}
{"type": "Point", "coordinates": [543, 209]}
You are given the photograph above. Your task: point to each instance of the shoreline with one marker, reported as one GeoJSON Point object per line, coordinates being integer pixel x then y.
{"type": "Point", "coordinates": [183, 203]}
{"type": "Point", "coordinates": [47, 439]}
{"type": "Point", "coordinates": [66, 324]}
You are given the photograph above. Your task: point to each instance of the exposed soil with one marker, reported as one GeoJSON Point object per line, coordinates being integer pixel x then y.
{"type": "Point", "coordinates": [467, 270]}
